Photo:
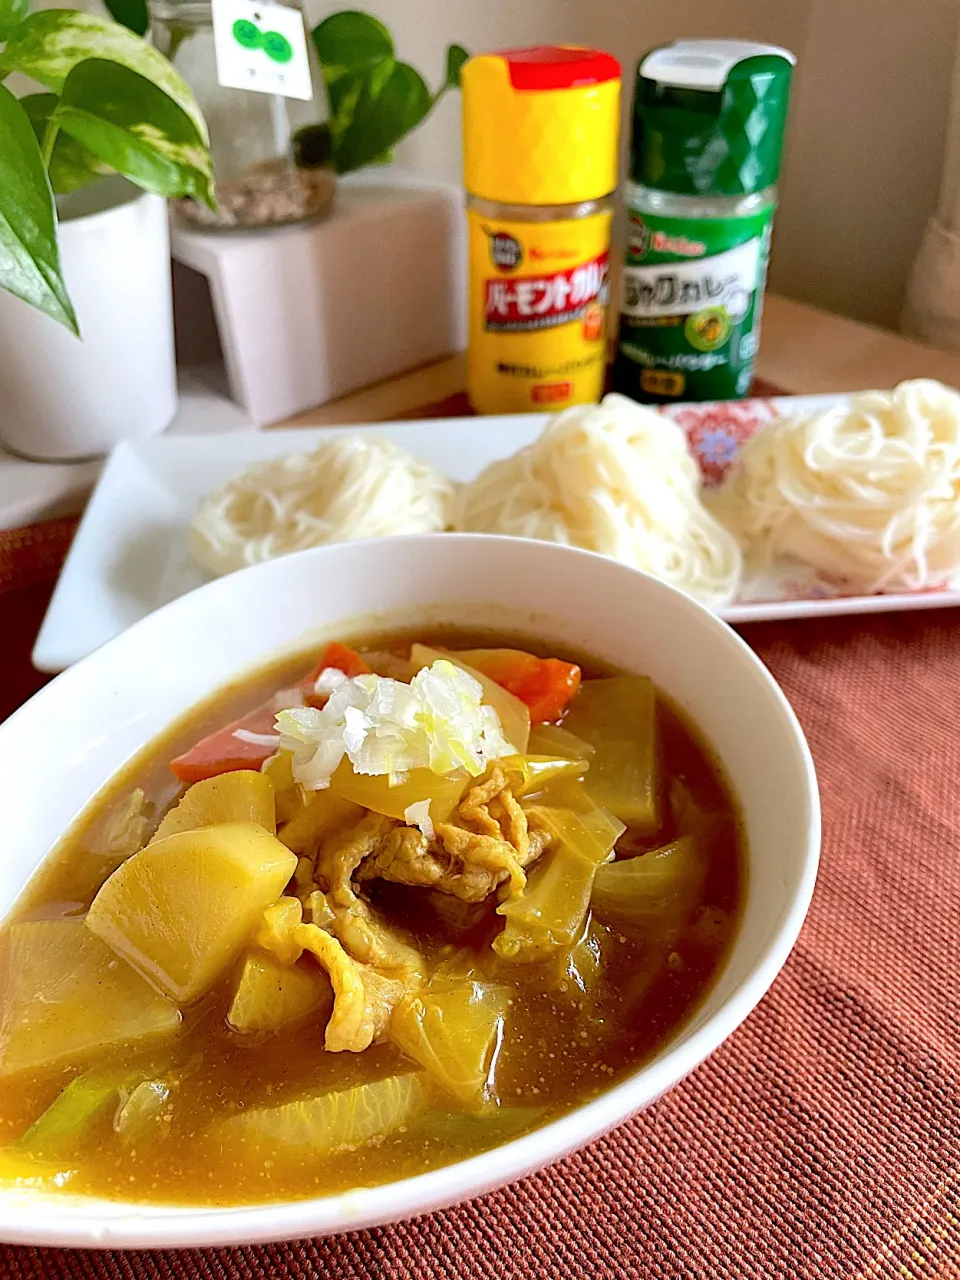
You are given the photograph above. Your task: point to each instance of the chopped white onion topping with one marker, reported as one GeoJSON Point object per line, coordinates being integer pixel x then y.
{"type": "Point", "coordinates": [258, 739]}
{"type": "Point", "coordinates": [286, 698]}
{"type": "Point", "coordinates": [437, 722]}
{"type": "Point", "coordinates": [330, 678]}
{"type": "Point", "coordinates": [418, 815]}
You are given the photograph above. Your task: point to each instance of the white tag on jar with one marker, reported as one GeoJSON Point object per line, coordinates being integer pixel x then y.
{"type": "Point", "coordinates": [262, 47]}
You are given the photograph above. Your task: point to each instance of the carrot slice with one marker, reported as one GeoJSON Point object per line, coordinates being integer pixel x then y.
{"type": "Point", "coordinates": [343, 659]}
{"type": "Point", "coordinates": [338, 656]}
{"type": "Point", "coordinates": [223, 752]}
{"type": "Point", "coordinates": [549, 690]}
{"type": "Point", "coordinates": [546, 685]}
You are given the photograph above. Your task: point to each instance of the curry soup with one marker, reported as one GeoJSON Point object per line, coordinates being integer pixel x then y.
{"type": "Point", "coordinates": [387, 908]}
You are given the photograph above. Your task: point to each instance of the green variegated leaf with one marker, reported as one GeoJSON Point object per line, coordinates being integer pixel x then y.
{"type": "Point", "coordinates": [374, 100]}
{"type": "Point", "coordinates": [130, 13]}
{"type": "Point", "coordinates": [130, 124]}
{"type": "Point", "coordinates": [351, 42]}
{"type": "Point", "coordinates": [12, 13]}
{"type": "Point", "coordinates": [456, 57]}
{"type": "Point", "coordinates": [380, 119]}
{"type": "Point", "coordinates": [48, 45]}
{"type": "Point", "coordinates": [29, 255]}
{"type": "Point", "coordinates": [70, 166]}
{"type": "Point", "coordinates": [355, 52]}
{"type": "Point", "coordinates": [343, 94]}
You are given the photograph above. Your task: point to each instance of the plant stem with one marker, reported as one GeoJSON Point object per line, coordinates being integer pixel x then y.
{"type": "Point", "coordinates": [177, 36]}
{"type": "Point", "coordinates": [49, 141]}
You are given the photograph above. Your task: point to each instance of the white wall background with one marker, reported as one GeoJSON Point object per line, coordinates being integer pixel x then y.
{"type": "Point", "coordinates": [868, 121]}
{"type": "Point", "coordinates": [867, 129]}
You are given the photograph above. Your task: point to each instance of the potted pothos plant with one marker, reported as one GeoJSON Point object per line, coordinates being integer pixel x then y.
{"type": "Point", "coordinates": [86, 331]}
{"type": "Point", "coordinates": [367, 101]}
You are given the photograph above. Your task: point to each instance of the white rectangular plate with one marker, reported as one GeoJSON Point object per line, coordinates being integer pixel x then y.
{"type": "Point", "coordinates": [130, 554]}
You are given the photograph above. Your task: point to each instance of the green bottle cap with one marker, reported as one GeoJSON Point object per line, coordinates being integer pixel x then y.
{"type": "Point", "coordinates": [709, 117]}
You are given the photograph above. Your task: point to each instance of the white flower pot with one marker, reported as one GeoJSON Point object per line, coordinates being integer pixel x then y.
{"type": "Point", "coordinates": [63, 399]}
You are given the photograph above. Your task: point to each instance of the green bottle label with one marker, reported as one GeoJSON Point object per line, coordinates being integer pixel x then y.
{"type": "Point", "coordinates": [691, 304]}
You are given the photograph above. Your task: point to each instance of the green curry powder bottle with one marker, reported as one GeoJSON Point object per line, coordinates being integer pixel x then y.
{"type": "Point", "coordinates": [708, 127]}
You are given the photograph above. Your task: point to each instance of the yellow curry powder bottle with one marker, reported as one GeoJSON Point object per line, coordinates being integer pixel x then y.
{"type": "Point", "coordinates": [540, 139]}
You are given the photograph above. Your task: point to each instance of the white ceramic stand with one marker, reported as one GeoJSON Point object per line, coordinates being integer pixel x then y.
{"type": "Point", "coordinates": [312, 312]}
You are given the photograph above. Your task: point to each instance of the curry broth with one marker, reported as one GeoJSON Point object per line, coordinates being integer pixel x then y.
{"type": "Point", "coordinates": [560, 1046]}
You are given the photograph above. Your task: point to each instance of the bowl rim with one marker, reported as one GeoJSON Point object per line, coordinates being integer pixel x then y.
{"type": "Point", "coordinates": [182, 1226]}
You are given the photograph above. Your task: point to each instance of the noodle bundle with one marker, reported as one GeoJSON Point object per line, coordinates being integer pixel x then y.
{"type": "Point", "coordinates": [867, 491]}
{"type": "Point", "coordinates": [349, 487]}
{"type": "Point", "coordinates": [616, 478]}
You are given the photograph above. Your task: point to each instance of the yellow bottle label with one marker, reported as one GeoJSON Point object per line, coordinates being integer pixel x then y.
{"type": "Point", "coordinates": [538, 312]}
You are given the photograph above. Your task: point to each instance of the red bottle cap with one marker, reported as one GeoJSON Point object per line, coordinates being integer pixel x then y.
{"type": "Point", "coordinates": [557, 66]}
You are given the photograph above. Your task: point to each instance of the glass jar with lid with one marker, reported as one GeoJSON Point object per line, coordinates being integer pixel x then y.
{"type": "Point", "coordinates": [269, 156]}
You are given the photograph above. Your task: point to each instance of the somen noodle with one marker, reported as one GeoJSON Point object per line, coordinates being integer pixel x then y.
{"type": "Point", "coordinates": [867, 490]}
{"type": "Point", "coordinates": [616, 478]}
{"type": "Point", "coordinates": [348, 487]}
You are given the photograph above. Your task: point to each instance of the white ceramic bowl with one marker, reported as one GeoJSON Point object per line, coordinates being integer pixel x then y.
{"type": "Point", "coordinates": [56, 752]}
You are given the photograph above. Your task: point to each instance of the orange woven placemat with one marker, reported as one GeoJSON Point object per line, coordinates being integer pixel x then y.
{"type": "Point", "coordinates": [30, 559]}
{"type": "Point", "coordinates": [34, 553]}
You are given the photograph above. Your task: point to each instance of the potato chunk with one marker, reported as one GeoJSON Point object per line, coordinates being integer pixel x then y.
{"type": "Point", "coordinates": [66, 994]}
{"type": "Point", "coordinates": [271, 995]}
{"type": "Point", "coordinates": [181, 910]}
{"type": "Point", "coordinates": [242, 796]}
